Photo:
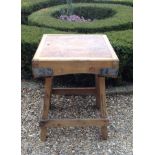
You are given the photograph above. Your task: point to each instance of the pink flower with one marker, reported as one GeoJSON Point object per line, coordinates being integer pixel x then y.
{"type": "Point", "coordinates": [74, 18]}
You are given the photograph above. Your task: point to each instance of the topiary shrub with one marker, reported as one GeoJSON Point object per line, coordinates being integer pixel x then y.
{"type": "Point", "coordinates": [120, 18]}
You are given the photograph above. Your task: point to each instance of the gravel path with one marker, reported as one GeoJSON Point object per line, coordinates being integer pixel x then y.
{"type": "Point", "coordinates": [75, 140]}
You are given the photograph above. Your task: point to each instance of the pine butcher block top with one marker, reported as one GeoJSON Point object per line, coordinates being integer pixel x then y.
{"type": "Point", "coordinates": [60, 54]}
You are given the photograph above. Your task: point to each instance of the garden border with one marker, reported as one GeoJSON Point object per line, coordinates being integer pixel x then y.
{"type": "Point", "coordinates": [120, 21]}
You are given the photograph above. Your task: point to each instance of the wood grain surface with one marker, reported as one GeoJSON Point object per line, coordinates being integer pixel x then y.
{"type": "Point", "coordinates": [75, 53]}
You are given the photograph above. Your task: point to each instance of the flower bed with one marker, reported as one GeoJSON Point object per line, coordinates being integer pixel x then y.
{"type": "Point", "coordinates": [74, 18]}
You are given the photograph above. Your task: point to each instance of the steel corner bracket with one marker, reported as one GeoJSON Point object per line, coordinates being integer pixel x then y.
{"type": "Point", "coordinates": [109, 72]}
{"type": "Point", "coordinates": [42, 72]}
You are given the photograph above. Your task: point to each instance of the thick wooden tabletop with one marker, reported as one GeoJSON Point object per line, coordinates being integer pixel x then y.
{"type": "Point", "coordinates": [74, 53]}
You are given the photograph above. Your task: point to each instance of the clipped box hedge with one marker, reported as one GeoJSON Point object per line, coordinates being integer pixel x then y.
{"type": "Point", "coordinates": [121, 18]}
{"type": "Point", "coordinates": [29, 6]}
{"type": "Point", "coordinates": [121, 41]}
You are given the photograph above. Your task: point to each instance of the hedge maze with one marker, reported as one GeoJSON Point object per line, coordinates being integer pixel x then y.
{"type": "Point", "coordinates": [111, 17]}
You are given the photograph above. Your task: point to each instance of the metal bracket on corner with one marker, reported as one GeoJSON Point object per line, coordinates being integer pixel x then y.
{"type": "Point", "coordinates": [110, 72]}
{"type": "Point", "coordinates": [42, 72]}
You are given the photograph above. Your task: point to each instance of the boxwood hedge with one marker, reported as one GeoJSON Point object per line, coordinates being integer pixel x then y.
{"type": "Point", "coordinates": [121, 41]}
{"type": "Point", "coordinates": [29, 6]}
{"type": "Point", "coordinates": [121, 19]}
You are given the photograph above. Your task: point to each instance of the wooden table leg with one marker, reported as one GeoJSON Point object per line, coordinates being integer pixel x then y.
{"type": "Point", "coordinates": [97, 91]}
{"type": "Point", "coordinates": [47, 97]}
{"type": "Point", "coordinates": [103, 106]}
